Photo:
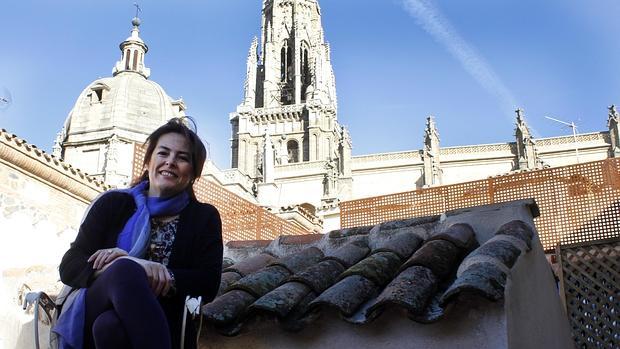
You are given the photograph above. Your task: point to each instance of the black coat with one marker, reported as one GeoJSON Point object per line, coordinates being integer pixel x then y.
{"type": "Point", "coordinates": [195, 261]}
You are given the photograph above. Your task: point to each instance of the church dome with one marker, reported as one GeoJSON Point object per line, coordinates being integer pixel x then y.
{"type": "Point", "coordinates": [128, 102]}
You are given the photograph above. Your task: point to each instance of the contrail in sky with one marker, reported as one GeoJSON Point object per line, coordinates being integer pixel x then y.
{"type": "Point", "coordinates": [430, 18]}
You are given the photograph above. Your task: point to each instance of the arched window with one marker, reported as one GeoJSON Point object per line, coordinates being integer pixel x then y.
{"type": "Point", "coordinates": [292, 148]}
{"type": "Point", "coordinates": [305, 67]}
{"type": "Point", "coordinates": [289, 64]}
{"type": "Point", "coordinates": [305, 70]}
{"type": "Point", "coordinates": [127, 60]}
{"type": "Point", "coordinates": [283, 64]}
{"type": "Point", "coordinates": [135, 60]}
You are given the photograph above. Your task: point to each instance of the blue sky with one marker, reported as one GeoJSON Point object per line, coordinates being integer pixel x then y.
{"type": "Point", "coordinates": [395, 61]}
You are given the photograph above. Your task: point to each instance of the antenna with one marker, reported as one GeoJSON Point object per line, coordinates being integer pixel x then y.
{"type": "Point", "coordinates": [574, 128]}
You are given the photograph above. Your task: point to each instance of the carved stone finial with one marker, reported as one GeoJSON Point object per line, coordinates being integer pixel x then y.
{"type": "Point", "coordinates": [57, 148]}
{"type": "Point", "coordinates": [613, 112]}
{"type": "Point", "coordinates": [431, 135]}
{"type": "Point", "coordinates": [527, 154]}
{"type": "Point", "coordinates": [519, 112]}
{"type": "Point", "coordinates": [432, 168]}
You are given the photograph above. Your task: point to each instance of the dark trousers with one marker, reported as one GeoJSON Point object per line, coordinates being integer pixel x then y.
{"type": "Point", "coordinates": [123, 312]}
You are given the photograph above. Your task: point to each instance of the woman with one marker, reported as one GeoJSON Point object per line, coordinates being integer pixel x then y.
{"type": "Point", "coordinates": [140, 251]}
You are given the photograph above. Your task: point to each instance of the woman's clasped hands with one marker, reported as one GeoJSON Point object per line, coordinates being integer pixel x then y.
{"type": "Point", "coordinates": [157, 274]}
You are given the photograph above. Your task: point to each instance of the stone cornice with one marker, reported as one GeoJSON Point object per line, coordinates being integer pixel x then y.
{"type": "Point", "coordinates": [602, 137]}
{"type": "Point", "coordinates": [281, 110]}
{"type": "Point", "coordinates": [409, 155]}
{"type": "Point", "coordinates": [27, 158]}
{"type": "Point", "coordinates": [478, 148]}
{"type": "Point", "coordinates": [297, 166]}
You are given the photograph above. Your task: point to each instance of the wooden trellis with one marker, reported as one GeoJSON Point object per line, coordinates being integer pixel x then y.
{"type": "Point", "coordinates": [577, 203]}
{"type": "Point", "coordinates": [590, 285]}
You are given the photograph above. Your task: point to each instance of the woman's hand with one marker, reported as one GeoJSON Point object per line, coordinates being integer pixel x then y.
{"type": "Point", "coordinates": [105, 256]}
{"type": "Point", "coordinates": [157, 274]}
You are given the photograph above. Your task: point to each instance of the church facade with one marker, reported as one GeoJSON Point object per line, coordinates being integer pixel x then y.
{"type": "Point", "coordinates": [289, 151]}
{"type": "Point", "coordinates": [288, 144]}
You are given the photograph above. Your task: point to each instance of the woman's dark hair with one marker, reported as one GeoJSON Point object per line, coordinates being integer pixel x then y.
{"type": "Point", "coordinates": [197, 149]}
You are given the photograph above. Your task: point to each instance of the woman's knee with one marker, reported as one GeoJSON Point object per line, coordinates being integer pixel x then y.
{"type": "Point", "coordinates": [126, 271]}
{"type": "Point", "coordinates": [108, 331]}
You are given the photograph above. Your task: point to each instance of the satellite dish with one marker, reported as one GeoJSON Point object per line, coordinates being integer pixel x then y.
{"type": "Point", "coordinates": [5, 98]}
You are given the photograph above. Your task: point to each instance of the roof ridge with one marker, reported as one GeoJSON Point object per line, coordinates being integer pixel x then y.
{"type": "Point", "coordinates": [33, 152]}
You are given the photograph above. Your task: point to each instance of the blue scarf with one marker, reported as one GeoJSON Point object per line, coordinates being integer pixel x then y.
{"type": "Point", "coordinates": [133, 238]}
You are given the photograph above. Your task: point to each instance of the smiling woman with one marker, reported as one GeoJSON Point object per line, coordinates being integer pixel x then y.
{"type": "Point", "coordinates": [169, 167]}
{"type": "Point", "coordinates": [141, 251]}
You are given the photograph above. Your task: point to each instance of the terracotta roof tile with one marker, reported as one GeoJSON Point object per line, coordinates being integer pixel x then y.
{"type": "Point", "coordinates": [300, 239]}
{"type": "Point", "coordinates": [519, 230]}
{"type": "Point", "coordinates": [440, 256]}
{"type": "Point", "coordinates": [411, 289]}
{"type": "Point", "coordinates": [283, 299]}
{"type": "Point", "coordinates": [251, 265]}
{"type": "Point", "coordinates": [343, 233]}
{"type": "Point", "coordinates": [409, 222]}
{"type": "Point", "coordinates": [460, 234]}
{"type": "Point", "coordinates": [227, 262]}
{"type": "Point", "coordinates": [248, 244]}
{"type": "Point", "coordinates": [263, 281]}
{"type": "Point", "coordinates": [379, 268]}
{"type": "Point", "coordinates": [298, 262]}
{"type": "Point", "coordinates": [349, 253]}
{"type": "Point", "coordinates": [228, 278]}
{"type": "Point", "coordinates": [484, 279]}
{"type": "Point", "coordinates": [346, 295]}
{"type": "Point", "coordinates": [402, 241]}
{"type": "Point", "coordinates": [321, 275]}
{"type": "Point", "coordinates": [500, 249]}
{"type": "Point", "coordinates": [228, 308]}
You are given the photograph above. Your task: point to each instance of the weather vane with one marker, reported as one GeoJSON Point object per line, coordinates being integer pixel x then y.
{"type": "Point", "coordinates": [138, 9]}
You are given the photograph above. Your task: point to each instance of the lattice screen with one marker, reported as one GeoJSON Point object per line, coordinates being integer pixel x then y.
{"type": "Point", "coordinates": [577, 203]}
{"type": "Point", "coordinates": [590, 283]}
{"type": "Point", "coordinates": [241, 219]}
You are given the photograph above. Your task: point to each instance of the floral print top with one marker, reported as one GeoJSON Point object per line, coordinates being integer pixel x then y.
{"type": "Point", "coordinates": [161, 240]}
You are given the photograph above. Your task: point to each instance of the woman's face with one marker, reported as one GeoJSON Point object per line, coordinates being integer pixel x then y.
{"type": "Point", "coordinates": [170, 166]}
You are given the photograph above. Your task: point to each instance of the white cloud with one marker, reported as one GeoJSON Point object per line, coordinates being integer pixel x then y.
{"type": "Point", "coordinates": [430, 18]}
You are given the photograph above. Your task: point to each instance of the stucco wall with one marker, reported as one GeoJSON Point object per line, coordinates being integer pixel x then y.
{"type": "Point", "coordinates": [304, 190]}
{"type": "Point", "coordinates": [37, 223]}
{"type": "Point", "coordinates": [458, 172]}
{"type": "Point", "coordinates": [37, 220]}
{"type": "Point", "coordinates": [385, 181]}
{"type": "Point", "coordinates": [535, 315]}
{"type": "Point", "coordinates": [472, 324]}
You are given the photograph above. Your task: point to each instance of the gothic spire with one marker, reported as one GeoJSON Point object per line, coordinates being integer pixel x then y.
{"type": "Point", "coordinates": [133, 50]}
{"type": "Point", "coordinates": [250, 77]}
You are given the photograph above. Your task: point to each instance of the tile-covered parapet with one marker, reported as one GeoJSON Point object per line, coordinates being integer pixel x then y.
{"type": "Point", "coordinates": [485, 270]}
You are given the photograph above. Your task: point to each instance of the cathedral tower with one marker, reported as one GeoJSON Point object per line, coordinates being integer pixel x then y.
{"type": "Point", "coordinates": [289, 93]}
